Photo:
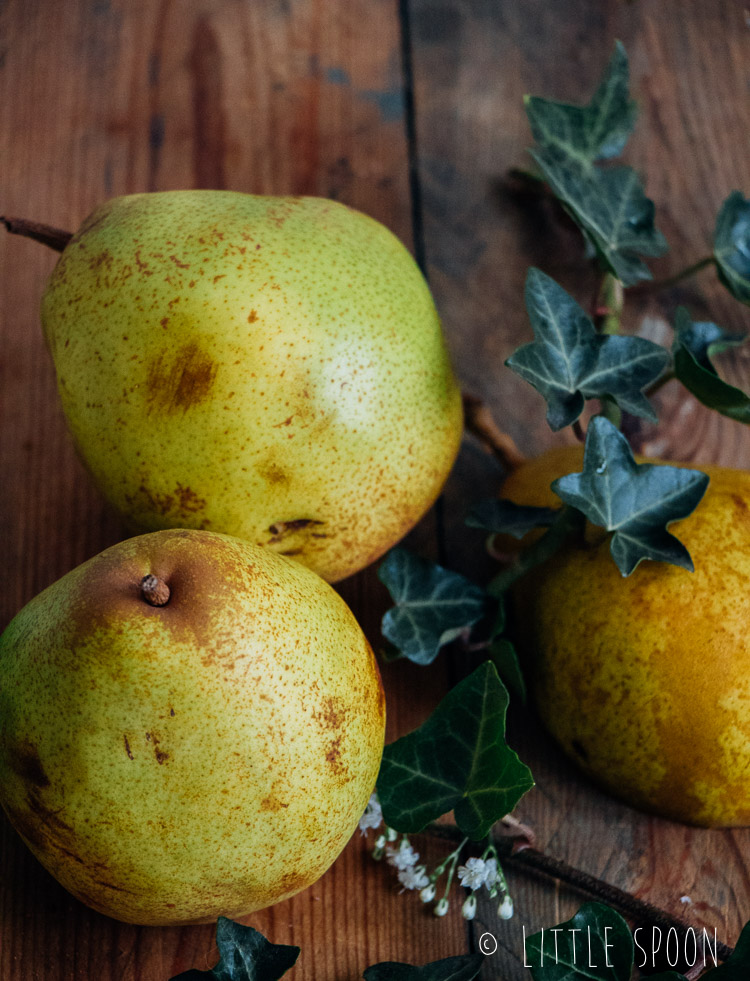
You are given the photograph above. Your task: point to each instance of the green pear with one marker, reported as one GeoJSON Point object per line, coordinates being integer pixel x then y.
{"type": "Point", "coordinates": [270, 368]}
{"type": "Point", "coordinates": [190, 726]}
{"type": "Point", "coordinates": [645, 681]}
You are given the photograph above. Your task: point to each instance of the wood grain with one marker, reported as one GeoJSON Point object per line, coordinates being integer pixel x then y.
{"type": "Point", "coordinates": [105, 97]}
{"type": "Point", "coordinates": [473, 61]}
{"type": "Point", "coordinates": [116, 97]}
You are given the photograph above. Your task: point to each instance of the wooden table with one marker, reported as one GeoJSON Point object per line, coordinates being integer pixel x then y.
{"type": "Point", "coordinates": [412, 112]}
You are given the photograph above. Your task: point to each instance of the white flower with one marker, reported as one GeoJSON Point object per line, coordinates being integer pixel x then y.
{"type": "Point", "coordinates": [469, 908]}
{"type": "Point", "coordinates": [473, 874]}
{"type": "Point", "coordinates": [428, 893]}
{"type": "Point", "coordinates": [373, 816]}
{"type": "Point", "coordinates": [505, 909]}
{"type": "Point", "coordinates": [441, 907]}
{"type": "Point", "coordinates": [413, 877]}
{"type": "Point", "coordinates": [402, 857]}
{"type": "Point", "coordinates": [490, 876]}
{"type": "Point", "coordinates": [391, 834]}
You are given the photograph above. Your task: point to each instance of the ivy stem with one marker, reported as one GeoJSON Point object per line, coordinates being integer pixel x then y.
{"type": "Point", "coordinates": [660, 382]}
{"type": "Point", "coordinates": [654, 285]}
{"type": "Point", "coordinates": [609, 304]}
{"type": "Point", "coordinates": [530, 859]}
{"type": "Point", "coordinates": [578, 430]}
{"type": "Point", "coordinates": [608, 317]}
{"type": "Point", "coordinates": [568, 522]}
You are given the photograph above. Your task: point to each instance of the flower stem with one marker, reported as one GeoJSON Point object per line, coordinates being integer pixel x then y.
{"type": "Point", "coordinates": [530, 859]}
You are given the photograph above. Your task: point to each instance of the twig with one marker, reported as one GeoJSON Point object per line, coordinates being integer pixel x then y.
{"type": "Point", "coordinates": [589, 885]}
{"type": "Point", "coordinates": [54, 238]}
{"type": "Point", "coordinates": [479, 423]}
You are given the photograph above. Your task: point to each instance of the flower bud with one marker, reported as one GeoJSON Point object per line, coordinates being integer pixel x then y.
{"type": "Point", "coordinates": [428, 893]}
{"type": "Point", "coordinates": [441, 907]}
{"type": "Point", "coordinates": [469, 908]}
{"type": "Point", "coordinates": [505, 909]}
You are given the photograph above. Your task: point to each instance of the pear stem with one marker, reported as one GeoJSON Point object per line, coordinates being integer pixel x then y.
{"type": "Point", "coordinates": [479, 423]}
{"type": "Point", "coordinates": [523, 856]}
{"type": "Point", "coordinates": [154, 591]}
{"type": "Point", "coordinates": [54, 238]}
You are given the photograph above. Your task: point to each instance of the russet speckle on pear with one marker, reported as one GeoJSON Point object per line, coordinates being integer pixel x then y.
{"type": "Point", "coordinates": [207, 755]}
{"type": "Point", "coordinates": [271, 368]}
{"type": "Point", "coordinates": [645, 681]}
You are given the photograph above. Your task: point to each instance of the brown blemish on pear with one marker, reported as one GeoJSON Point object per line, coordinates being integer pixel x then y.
{"type": "Point", "coordinates": [180, 381]}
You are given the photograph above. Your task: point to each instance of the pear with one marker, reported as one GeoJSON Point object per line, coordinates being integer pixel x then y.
{"type": "Point", "coordinates": [190, 726]}
{"type": "Point", "coordinates": [645, 681]}
{"type": "Point", "coordinates": [270, 368]}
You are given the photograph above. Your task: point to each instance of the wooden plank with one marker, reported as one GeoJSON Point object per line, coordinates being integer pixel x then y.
{"type": "Point", "coordinates": [117, 96]}
{"type": "Point", "coordinates": [473, 62]}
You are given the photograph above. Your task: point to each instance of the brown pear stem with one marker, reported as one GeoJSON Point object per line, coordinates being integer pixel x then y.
{"type": "Point", "coordinates": [521, 856]}
{"type": "Point", "coordinates": [479, 423]}
{"type": "Point", "coordinates": [54, 238]}
{"type": "Point", "coordinates": [154, 591]}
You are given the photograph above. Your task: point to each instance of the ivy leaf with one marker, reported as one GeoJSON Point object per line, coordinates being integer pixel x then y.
{"type": "Point", "coordinates": [601, 937]}
{"type": "Point", "coordinates": [611, 208]}
{"type": "Point", "coordinates": [457, 760]}
{"type": "Point", "coordinates": [244, 955]}
{"type": "Point", "coordinates": [695, 343]}
{"type": "Point", "coordinates": [732, 245]}
{"type": "Point", "coordinates": [597, 131]}
{"type": "Point", "coordinates": [737, 968]}
{"type": "Point", "coordinates": [505, 658]}
{"type": "Point", "coordinates": [635, 501]}
{"type": "Point", "coordinates": [508, 518]}
{"type": "Point", "coordinates": [462, 968]}
{"type": "Point", "coordinates": [433, 605]}
{"type": "Point", "coordinates": [569, 361]}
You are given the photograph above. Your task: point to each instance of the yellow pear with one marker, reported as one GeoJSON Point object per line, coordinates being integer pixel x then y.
{"type": "Point", "coordinates": [645, 681]}
{"type": "Point", "coordinates": [270, 368]}
{"type": "Point", "coordinates": [190, 726]}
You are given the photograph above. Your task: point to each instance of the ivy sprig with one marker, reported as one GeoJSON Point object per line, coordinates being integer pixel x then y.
{"type": "Point", "coordinates": [695, 343]}
{"type": "Point", "coordinates": [569, 362]}
{"type": "Point", "coordinates": [634, 501]}
{"type": "Point", "coordinates": [244, 955]}
{"type": "Point", "coordinates": [608, 204]}
{"type": "Point", "coordinates": [458, 760]}
{"type": "Point", "coordinates": [433, 605]}
{"type": "Point", "coordinates": [732, 245]}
